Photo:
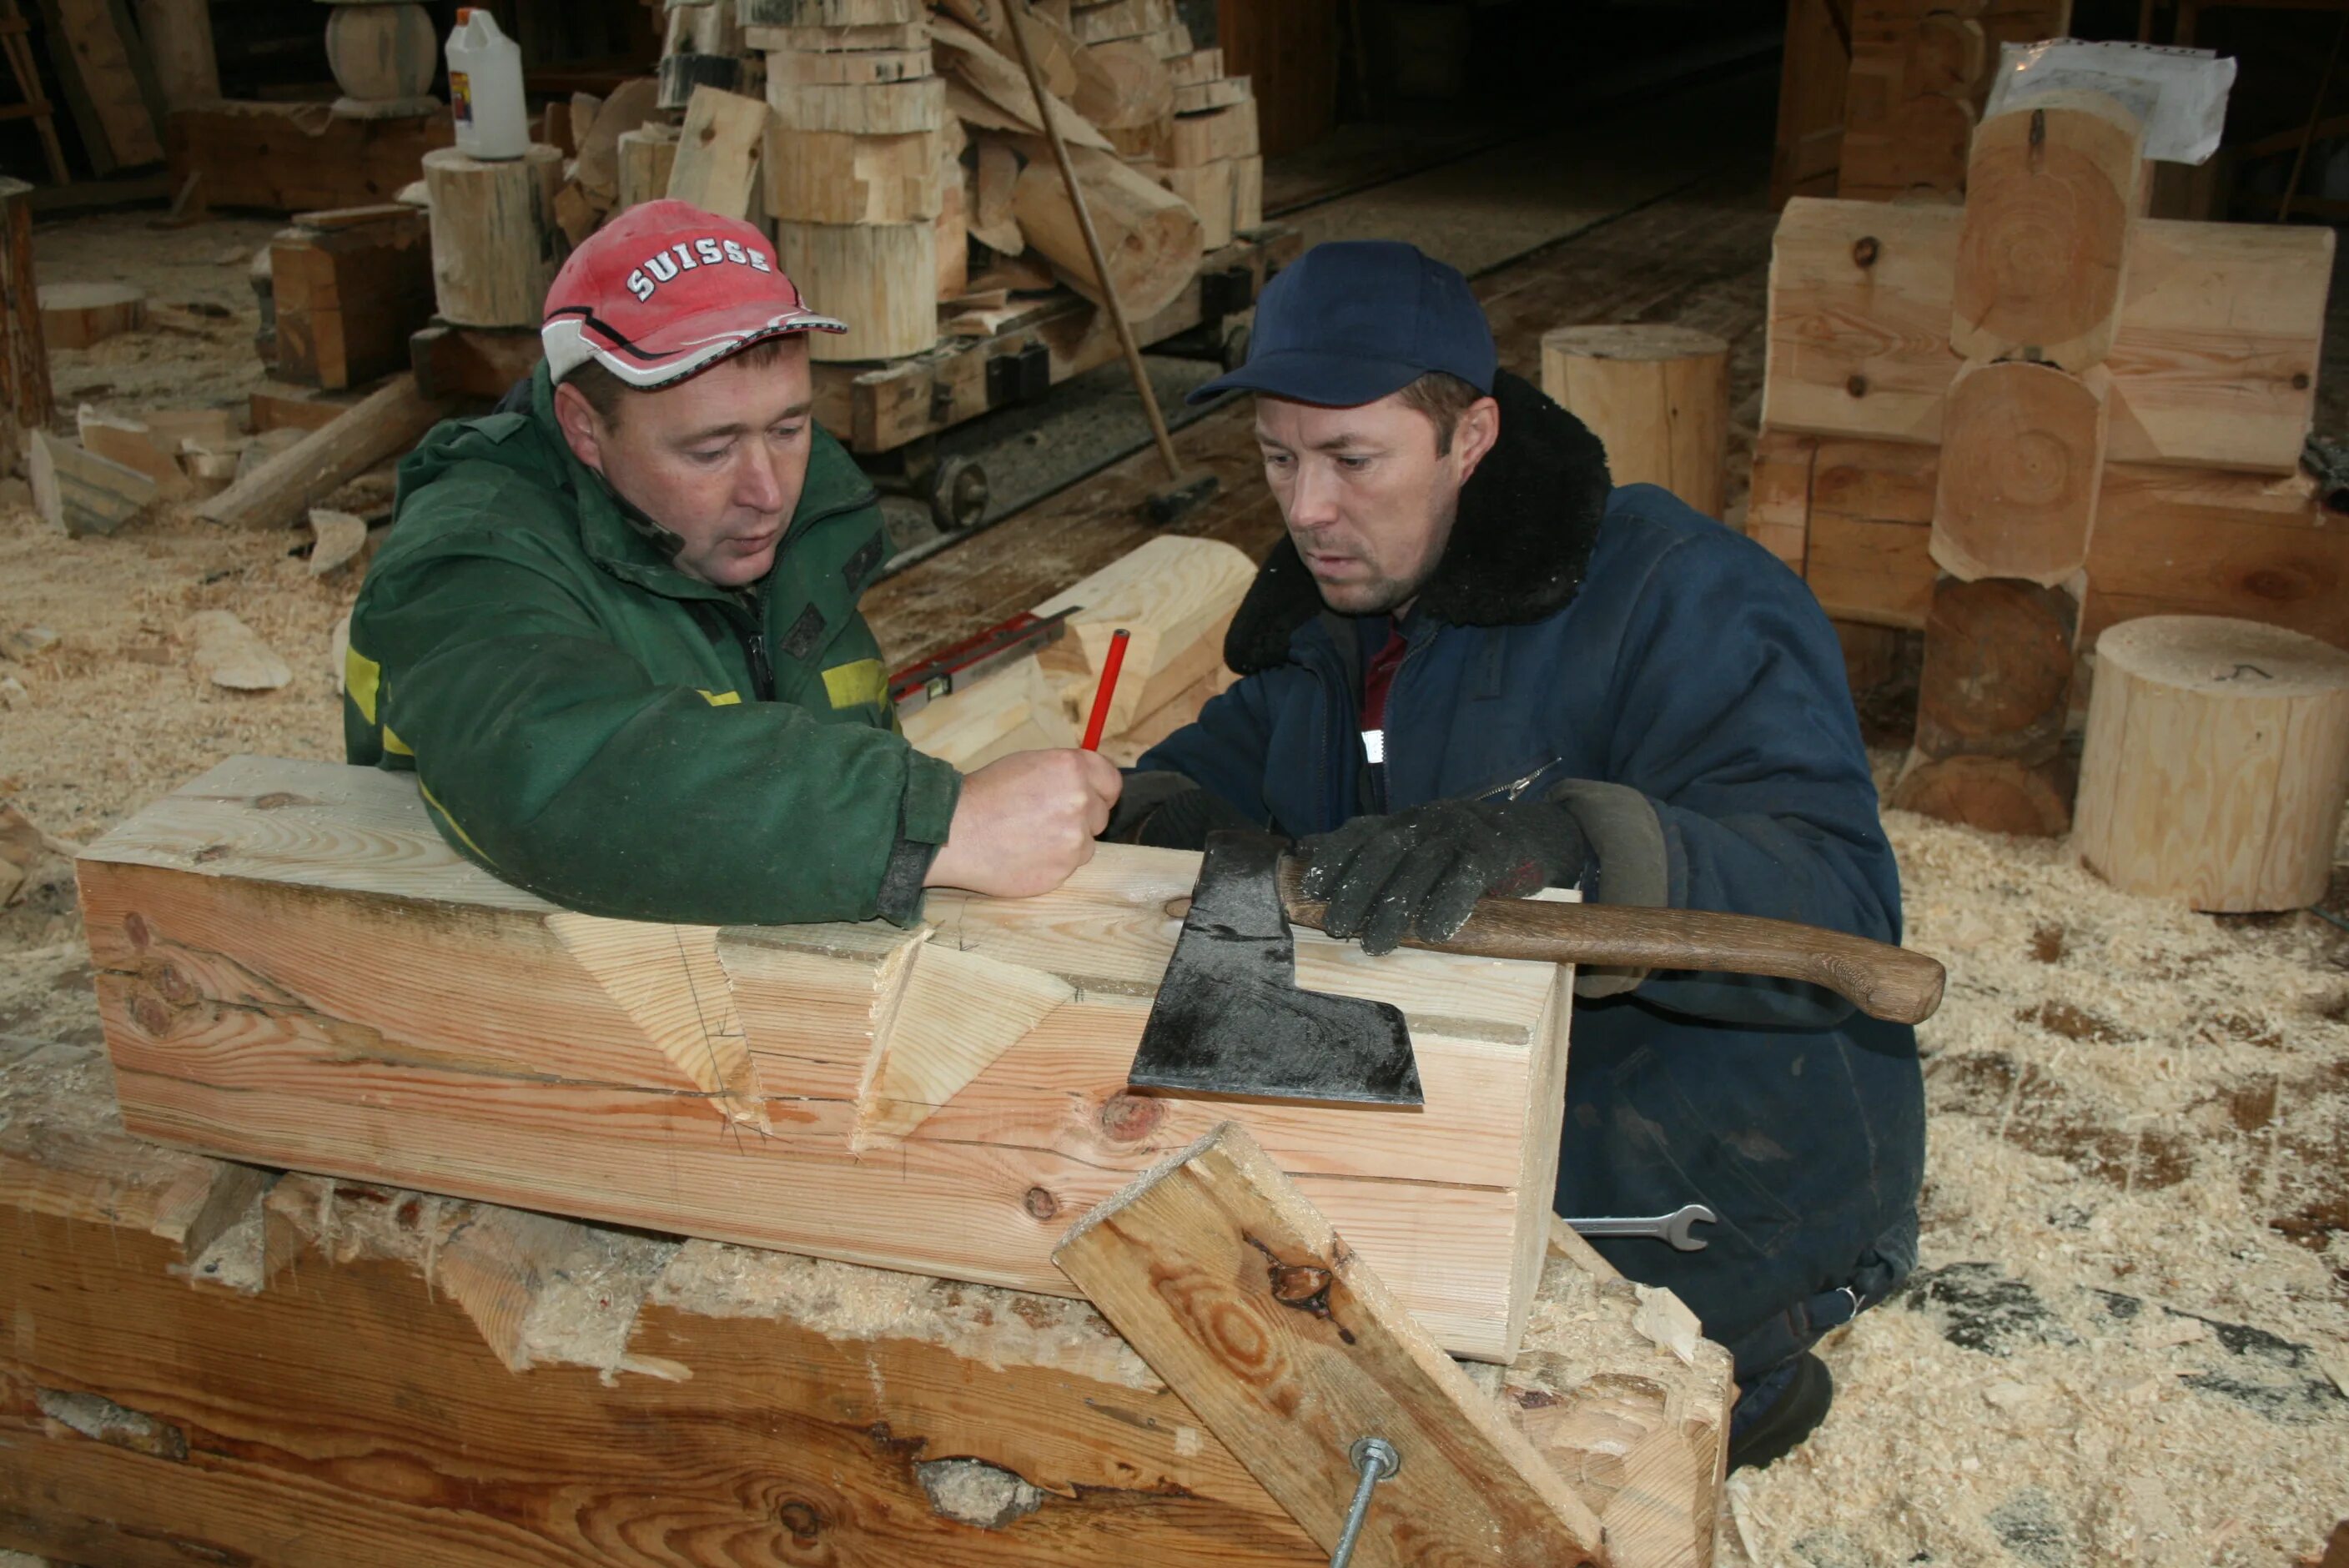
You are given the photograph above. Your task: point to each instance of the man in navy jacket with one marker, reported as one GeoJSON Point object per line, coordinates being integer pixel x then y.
{"type": "Point", "coordinates": [1474, 667]}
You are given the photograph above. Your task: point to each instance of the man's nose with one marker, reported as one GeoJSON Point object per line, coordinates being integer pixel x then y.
{"type": "Point", "coordinates": [1313, 501]}
{"type": "Point", "coordinates": [760, 485]}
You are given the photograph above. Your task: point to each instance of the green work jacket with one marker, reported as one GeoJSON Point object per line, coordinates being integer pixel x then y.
{"type": "Point", "coordinates": [592, 724]}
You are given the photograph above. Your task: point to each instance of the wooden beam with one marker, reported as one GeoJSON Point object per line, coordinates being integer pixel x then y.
{"type": "Point", "coordinates": [276, 494]}
{"type": "Point", "coordinates": [94, 46]}
{"type": "Point", "coordinates": [2214, 360]}
{"type": "Point", "coordinates": [565, 1081]}
{"type": "Point", "coordinates": [293, 157]}
{"type": "Point", "coordinates": [471, 362]}
{"type": "Point", "coordinates": [350, 290]}
{"type": "Point", "coordinates": [179, 38]}
{"type": "Point", "coordinates": [25, 400]}
{"type": "Point", "coordinates": [1176, 597]}
{"type": "Point", "coordinates": [264, 1333]}
{"type": "Point", "coordinates": [1241, 1295]}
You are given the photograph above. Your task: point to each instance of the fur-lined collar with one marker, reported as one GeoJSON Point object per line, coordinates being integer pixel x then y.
{"type": "Point", "coordinates": [1528, 517]}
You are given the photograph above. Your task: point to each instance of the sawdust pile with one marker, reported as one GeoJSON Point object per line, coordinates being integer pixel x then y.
{"type": "Point", "coordinates": [2128, 1339]}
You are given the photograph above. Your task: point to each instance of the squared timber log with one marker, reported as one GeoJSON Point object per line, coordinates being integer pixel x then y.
{"type": "Point", "coordinates": [325, 1374]}
{"type": "Point", "coordinates": [295, 969]}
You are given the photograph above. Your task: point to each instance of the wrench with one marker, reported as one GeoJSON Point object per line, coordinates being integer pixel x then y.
{"type": "Point", "coordinates": [1672, 1227]}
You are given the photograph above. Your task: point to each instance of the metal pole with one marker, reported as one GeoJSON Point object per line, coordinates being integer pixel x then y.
{"type": "Point", "coordinates": [1011, 16]}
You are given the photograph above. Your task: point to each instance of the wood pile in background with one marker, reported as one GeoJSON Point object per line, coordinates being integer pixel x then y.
{"type": "Point", "coordinates": [1879, 98]}
{"type": "Point", "coordinates": [2012, 458]}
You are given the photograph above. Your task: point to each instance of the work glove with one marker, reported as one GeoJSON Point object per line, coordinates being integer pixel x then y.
{"type": "Point", "coordinates": [1169, 812]}
{"type": "Point", "coordinates": [1420, 873]}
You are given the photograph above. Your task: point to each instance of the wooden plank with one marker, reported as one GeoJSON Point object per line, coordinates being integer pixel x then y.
{"type": "Point", "coordinates": [566, 1085]}
{"type": "Point", "coordinates": [1245, 1300]}
{"type": "Point", "coordinates": [413, 1329]}
{"type": "Point", "coordinates": [99, 44]}
{"type": "Point", "coordinates": [291, 158]}
{"type": "Point", "coordinates": [178, 34]}
{"type": "Point", "coordinates": [719, 152]}
{"type": "Point", "coordinates": [277, 493]}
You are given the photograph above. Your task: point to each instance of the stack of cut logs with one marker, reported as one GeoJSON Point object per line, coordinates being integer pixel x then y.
{"type": "Point", "coordinates": [1879, 100]}
{"type": "Point", "coordinates": [2014, 425]}
{"type": "Point", "coordinates": [1920, 72]}
{"type": "Point", "coordinates": [875, 141]}
{"type": "Point", "coordinates": [860, 146]}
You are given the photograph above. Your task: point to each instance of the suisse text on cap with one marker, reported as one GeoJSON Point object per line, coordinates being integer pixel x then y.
{"type": "Point", "coordinates": [712, 252]}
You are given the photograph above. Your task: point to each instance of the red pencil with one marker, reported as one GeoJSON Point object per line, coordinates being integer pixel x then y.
{"type": "Point", "coordinates": [1110, 666]}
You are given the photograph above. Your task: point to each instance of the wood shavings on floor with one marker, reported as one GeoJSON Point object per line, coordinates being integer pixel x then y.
{"type": "Point", "coordinates": [2122, 1341]}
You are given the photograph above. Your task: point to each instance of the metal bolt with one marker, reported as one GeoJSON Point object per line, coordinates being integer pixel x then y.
{"type": "Point", "coordinates": [1377, 1460]}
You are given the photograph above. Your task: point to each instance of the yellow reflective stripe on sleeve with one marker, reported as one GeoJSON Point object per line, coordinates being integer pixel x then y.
{"type": "Point", "coordinates": [434, 802]}
{"type": "Point", "coordinates": [856, 685]}
{"type": "Point", "coordinates": [720, 698]}
{"type": "Point", "coordinates": [393, 744]}
{"type": "Point", "coordinates": [361, 677]}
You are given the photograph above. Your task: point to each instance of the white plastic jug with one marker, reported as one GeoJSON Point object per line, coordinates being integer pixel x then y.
{"type": "Point", "coordinates": [485, 87]}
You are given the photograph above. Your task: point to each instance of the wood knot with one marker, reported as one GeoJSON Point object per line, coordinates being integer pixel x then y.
{"type": "Point", "coordinates": [1301, 1287]}
{"type": "Point", "coordinates": [2300, 381]}
{"type": "Point", "coordinates": [134, 926]}
{"type": "Point", "coordinates": [1040, 1204]}
{"type": "Point", "coordinates": [209, 853]}
{"type": "Point", "coordinates": [1865, 250]}
{"type": "Point", "coordinates": [147, 1010]}
{"type": "Point", "coordinates": [1857, 386]}
{"type": "Point", "coordinates": [174, 983]}
{"type": "Point", "coordinates": [802, 1519]}
{"type": "Point", "coordinates": [1128, 1117]}
{"type": "Point", "coordinates": [276, 799]}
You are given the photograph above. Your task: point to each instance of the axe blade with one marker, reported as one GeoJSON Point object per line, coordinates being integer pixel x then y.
{"type": "Point", "coordinates": [1230, 1019]}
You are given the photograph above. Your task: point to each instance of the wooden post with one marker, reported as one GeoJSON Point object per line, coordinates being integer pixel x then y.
{"type": "Point", "coordinates": [25, 401]}
{"type": "Point", "coordinates": [2217, 762]}
{"type": "Point", "coordinates": [495, 242]}
{"type": "Point", "coordinates": [1657, 396]}
{"type": "Point", "coordinates": [1997, 678]}
{"type": "Point", "coordinates": [1242, 1297]}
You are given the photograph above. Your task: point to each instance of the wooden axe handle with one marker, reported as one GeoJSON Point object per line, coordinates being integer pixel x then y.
{"type": "Point", "coordinates": [1880, 980]}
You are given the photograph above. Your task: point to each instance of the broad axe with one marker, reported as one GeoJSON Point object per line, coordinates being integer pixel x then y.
{"type": "Point", "coordinates": [1230, 1018]}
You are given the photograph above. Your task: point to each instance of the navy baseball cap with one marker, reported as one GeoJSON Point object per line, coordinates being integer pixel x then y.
{"type": "Point", "coordinates": [1353, 320]}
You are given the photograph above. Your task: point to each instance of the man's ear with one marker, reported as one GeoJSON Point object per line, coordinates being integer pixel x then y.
{"type": "Point", "coordinates": [582, 429]}
{"type": "Point", "coordinates": [1475, 435]}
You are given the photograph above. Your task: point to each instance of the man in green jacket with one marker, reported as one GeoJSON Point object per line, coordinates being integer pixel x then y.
{"type": "Point", "coordinates": [615, 636]}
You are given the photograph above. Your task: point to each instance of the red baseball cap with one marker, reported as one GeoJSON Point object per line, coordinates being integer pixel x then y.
{"type": "Point", "coordinates": [666, 289]}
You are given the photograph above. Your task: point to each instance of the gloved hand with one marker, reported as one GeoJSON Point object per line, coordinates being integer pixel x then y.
{"type": "Point", "coordinates": [1421, 872]}
{"type": "Point", "coordinates": [1169, 812]}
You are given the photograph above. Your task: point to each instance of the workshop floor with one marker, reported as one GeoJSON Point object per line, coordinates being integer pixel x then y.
{"type": "Point", "coordinates": [2129, 1341]}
